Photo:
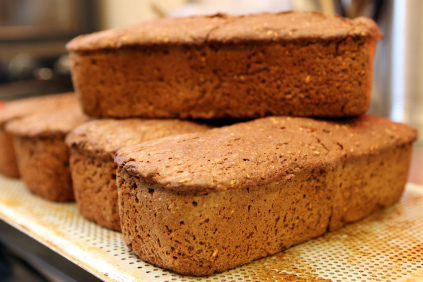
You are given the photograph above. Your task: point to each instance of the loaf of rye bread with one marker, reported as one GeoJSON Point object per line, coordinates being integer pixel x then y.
{"type": "Point", "coordinates": [18, 109]}
{"type": "Point", "coordinates": [290, 63]}
{"type": "Point", "coordinates": [203, 203]}
{"type": "Point", "coordinates": [92, 150]}
{"type": "Point", "coordinates": [41, 152]}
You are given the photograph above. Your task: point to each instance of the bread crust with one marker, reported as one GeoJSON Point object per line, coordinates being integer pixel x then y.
{"type": "Point", "coordinates": [18, 109]}
{"type": "Point", "coordinates": [256, 193]}
{"type": "Point", "coordinates": [8, 164]}
{"type": "Point", "coordinates": [221, 28]}
{"type": "Point", "coordinates": [41, 152]}
{"type": "Point", "coordinates": [259, 152]}
{"type": "Point", "coordinates": [92, 149]}
{"type": "Point", "coordinates": [301, 64]}
{"type": "Point", "coordinates": [44, 166]}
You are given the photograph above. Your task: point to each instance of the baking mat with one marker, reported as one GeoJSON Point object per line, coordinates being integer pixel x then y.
{"type": "Point", "coordinates": [387, 246]}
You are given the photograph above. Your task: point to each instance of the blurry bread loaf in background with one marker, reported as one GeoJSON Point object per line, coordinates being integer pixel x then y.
{"type": "Point", "coordinates": [18, 109]}
{"type": "Point", "coordinates": [41, 152]}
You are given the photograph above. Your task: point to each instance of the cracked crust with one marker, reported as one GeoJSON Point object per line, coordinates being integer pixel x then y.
{"type": "Point", "coordinates": [301, 64]}
{"type": "Point", "coordinates": [262, 187]}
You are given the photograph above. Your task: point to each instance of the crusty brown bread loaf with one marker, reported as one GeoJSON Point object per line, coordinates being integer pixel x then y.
{"type": "Point", "coordinates": [291, 63]}
{"type": "Point", "coordinates": [18, 109]}
{"type": "Point", "coordinates": [207, 202]}
{"type": "Point", "coordinates": [92, 149]}
{"type": "Point", "coordinates": [41, 152]}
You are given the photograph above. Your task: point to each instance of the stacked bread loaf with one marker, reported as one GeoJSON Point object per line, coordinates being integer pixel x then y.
{"type": "Point", "coordinates": [32, 146]}
{"type": "Point", "coordinates": [208, 201]}
{"type": "Point", "coordinates": [196, 199]}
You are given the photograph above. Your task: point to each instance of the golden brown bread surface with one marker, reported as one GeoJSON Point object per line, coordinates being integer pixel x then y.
{"type": "Point", "coordinates": [92, 149]}
{"type": "Point", "coordinates": [18, 109]}
{"type": "Point", "coordinates": [41, 152]}
{"type": "Point", "coordinates": [201, 203]}
{"type": "Point", "coordinates": [296, 63]}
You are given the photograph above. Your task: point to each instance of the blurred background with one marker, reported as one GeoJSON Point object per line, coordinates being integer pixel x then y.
{"type": "Point", "coordinates": [33, 33]}
{"type": "Point", "coordinates": [33, 59]}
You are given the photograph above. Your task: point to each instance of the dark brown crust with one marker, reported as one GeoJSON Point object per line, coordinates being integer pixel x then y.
{"type": "Point", "coordinates": [202, 234]}
{"type": "Point", "coordinates": [265, 27]}
{"type": "Point", "coordinates": [259, 152]}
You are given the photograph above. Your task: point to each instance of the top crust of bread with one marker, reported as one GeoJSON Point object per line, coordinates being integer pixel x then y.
{"type": "Point", "coordinates": [220, 28]}
{"type": "Point", "coordinates": [259, 152]}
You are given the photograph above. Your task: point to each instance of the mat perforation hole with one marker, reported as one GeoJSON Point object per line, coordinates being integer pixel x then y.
{"type": "Point", "coordinates": [384, 247]}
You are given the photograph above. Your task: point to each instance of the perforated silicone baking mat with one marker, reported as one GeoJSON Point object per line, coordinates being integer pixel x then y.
{"type": "Point", "coordinates": [387, 246]}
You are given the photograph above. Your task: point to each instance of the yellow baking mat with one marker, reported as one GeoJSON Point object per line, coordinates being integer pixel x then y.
{"type": "Point", "coordinates": [387, 246]}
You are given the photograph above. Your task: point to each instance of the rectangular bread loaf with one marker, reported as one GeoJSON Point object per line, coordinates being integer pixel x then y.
{"type": "Point", "coordinates": [41, 152]}
{"type": "Point", "coordinates": [203, 203]}
{"type": "Point", "coordinates": [92, 148]}
{"type": "Point", "coordinates": [20, 108]}
{"type": "Point", "coordinates": [291, 63]}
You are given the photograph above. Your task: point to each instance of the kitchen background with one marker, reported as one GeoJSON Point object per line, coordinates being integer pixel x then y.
{"type": "Point", "coordinates": [33, 60]}
{"type": "Point", "coordinates": [33, 34]}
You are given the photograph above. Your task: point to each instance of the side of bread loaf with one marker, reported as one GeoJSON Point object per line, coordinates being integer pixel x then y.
{"type": "Point", "coordinates": [298, 63]}
{"type": "Point", "coordinates": [92, 148]}
{"type": "Point", "coordinates": [8, 164]}
{"type": "Point", "coordinates": [44, 166]}
{"type": "Point", "coordinates": [18, 109]}
{"type": "Point", "coordinates": [41, 152]}
{"type": "Point", "coordinates": [256, 188]}
{"type": "Point", "coordinates": [94, 187]}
